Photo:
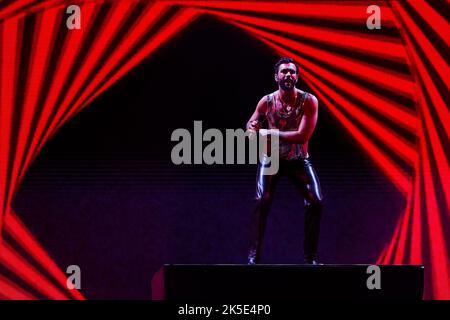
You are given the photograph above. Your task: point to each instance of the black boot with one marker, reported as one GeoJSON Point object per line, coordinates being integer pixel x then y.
{"type": "Point", "coordinates": [312, 229]}
{"type": "Point", "coordinates": [265, 187]}
{"type": "Point", "coordinates": [257, 229]}
{"type": "Point", "coordinates": [312, 261]}
{"type": "Point", "coordinates": [252, 257]}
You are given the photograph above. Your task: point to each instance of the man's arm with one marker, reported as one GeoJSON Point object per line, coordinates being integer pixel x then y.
{"type": "Point", "coordinates": [307, 125]}
{"type": "Point", "coordinates": [261, 109]}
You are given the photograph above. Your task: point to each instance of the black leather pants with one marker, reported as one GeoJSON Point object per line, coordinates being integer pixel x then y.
{"type": "Point", "coordinates": [304, 177]}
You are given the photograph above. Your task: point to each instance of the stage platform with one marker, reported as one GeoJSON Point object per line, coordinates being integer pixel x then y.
{"type": "Point", "coordinates": [286, 282]}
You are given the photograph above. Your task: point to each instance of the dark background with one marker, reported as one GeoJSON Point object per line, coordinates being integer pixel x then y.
{"type": "Point", "coordinates": [103, 193]}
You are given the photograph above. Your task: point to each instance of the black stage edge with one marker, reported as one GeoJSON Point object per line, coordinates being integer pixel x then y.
{"type": "Point", "coordinates": [285, 282]}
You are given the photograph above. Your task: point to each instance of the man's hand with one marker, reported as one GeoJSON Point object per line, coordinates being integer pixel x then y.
{"type": "Point", "coordinates": [254, 126]}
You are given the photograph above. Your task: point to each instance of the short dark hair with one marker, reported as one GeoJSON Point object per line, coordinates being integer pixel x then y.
{"type": "Point", "coordinates": [285, 60]}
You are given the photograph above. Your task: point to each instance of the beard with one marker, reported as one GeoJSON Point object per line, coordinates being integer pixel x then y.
{"type": "Point", "coordinates": [287, 85]}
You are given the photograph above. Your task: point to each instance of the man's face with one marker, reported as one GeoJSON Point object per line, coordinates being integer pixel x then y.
{"type": "Point", "coordinates": [286, 76]}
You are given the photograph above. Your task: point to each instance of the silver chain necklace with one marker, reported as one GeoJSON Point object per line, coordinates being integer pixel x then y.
{"type": "Point", "coordinates": [286, 106]}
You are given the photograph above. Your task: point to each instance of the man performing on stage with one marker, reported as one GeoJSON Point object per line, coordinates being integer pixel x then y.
{"type": "Point", "coordinates": [294, 113]}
